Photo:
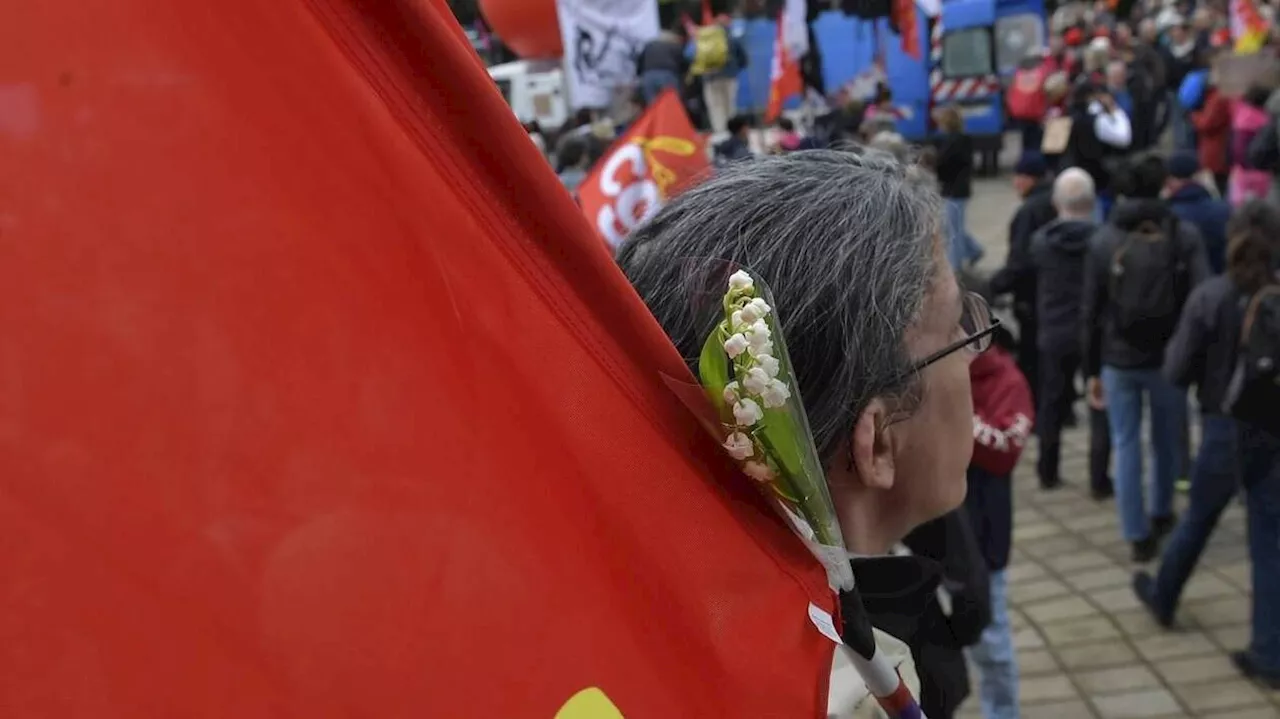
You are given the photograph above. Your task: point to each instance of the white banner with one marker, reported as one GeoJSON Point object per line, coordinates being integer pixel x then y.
{"type": "Point", "coordinates": [795, 28]}
{"type": "Point", "coordinates": [602, 39]}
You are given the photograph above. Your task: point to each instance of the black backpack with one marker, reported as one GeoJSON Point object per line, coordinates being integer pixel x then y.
{"type": "Point", "coordinates": [1148, 285]}
{"type": "Point", "coordinates": [1254, 393]}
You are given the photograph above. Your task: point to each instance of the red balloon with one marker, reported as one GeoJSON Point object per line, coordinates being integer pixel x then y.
{"type": "Point", "coordinates": [529, 27]}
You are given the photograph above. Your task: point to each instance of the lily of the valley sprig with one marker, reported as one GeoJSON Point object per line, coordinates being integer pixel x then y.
{"type": "Point", "coordinates": [745, 370]}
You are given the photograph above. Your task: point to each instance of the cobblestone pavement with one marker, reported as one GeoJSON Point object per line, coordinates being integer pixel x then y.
{"type": "Point", "coordinates": [1085, 647]}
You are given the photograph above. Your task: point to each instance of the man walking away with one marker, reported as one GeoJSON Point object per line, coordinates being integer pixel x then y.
{"type": "Point", "coordinates": [1032, 183]}
{"type": "Point", "coordinates": [718, 58]}
{"type": "Point", "coordinates": [1139, 270]}
{"type": "Point", "coordinates": [1193, 203]}
{"type": "Point", "coordinates": [662, 66]}
{"type": "Point", "coordinates": [1058, 252]}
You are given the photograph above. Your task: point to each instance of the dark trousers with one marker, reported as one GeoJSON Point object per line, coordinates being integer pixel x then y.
{"type": "Point", "coordinates": [1053, 405]}
{"type": "Point", "coordinates": [1214, 481]}
{"type": "Point", "coordinates": [1028, 351]}
{"type": "Point", "coordinates": [1260, 477]}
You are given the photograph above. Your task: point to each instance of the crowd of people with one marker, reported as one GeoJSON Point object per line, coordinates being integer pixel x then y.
{"type": "Point", "coordinates": [1142, 262]}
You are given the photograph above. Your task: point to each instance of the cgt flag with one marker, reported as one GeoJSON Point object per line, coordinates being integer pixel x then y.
{"type": "Point", "coordinates": [659, 154]}
{"type": "Point", "coordinates": [785, 80]}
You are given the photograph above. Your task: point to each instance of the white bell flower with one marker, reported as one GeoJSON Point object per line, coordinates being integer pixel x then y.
{"type": "Point", "coordinates": [775, 394]}
{"type": "Point", "coordinates": [736, 345]}
{"type": "Point", "coordinates": [758, 471]}
{"type": "Point", "coordinates": [738, 321]}
{"type": "Point", "coordinates": [746, 412]}
{"type": "Point", "coordinates": [731, 393]}
{"type": "Point", "coordinates": [758, 336]}
{"type": "Point", "coordinates": [741, 281]}
{"type": "Point", "coordinates": [739, 446]}
{"type": "Point", "coordinates": [759, 306]}
{"type": "Point", "coordinates": [763, 350]}
{"type": "Point", "coordinates": [753, 311]}
{"type": "Point", "coordinates": [768, 363]}
{"type": "Point", "coordinates": [756, 380]}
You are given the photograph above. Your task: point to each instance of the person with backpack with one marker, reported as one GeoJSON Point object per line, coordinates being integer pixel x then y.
{"type": "Point", "coordinates": [1058, 253]}
{"type": "Point", "coordinates": [1140, 268]}
{"type": "Point", "coordinates": [1028, 102]}
{"type": "Point", "coordinates": [1003, 418]}
{"type": "Point", "coordinates": [1228, 345]}
{"type": "Point", "coordinates": [717, 57]}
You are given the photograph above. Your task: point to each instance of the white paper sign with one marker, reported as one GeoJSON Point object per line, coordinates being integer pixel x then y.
{"type": "Point", "coordinates": [602, 39]}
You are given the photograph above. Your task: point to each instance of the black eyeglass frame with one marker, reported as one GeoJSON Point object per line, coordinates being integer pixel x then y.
{"type": "Point", "coordinates": [957, 346]}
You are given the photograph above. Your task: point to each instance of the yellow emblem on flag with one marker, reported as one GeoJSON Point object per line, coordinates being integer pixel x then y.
{"type": "Point", "coordinates": [590, 703]}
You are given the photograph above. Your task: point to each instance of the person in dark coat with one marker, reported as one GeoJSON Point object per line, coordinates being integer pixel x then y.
{"type": "Point", "coordinates": [1100, 136]}
{"type": "Point", "coordinates": [662, 65]}
{"type": "Point", "coordinates": [1233, 453]}
{"type": "Point", "coordinates": [1193, 203]}
{"type": "Point", "coordinates": [1058, 253]}
{"type": "Point", "coordinates": [1129, 365]}
{"type": "Point", "coordinates": [1032, 182]}
{"type": "Point", "coordinates": [937, 601]}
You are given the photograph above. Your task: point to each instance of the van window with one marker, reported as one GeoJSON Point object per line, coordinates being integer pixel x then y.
{"type": "Point", "coordinates": [967, 53]}
{"type": "Point", "coordinates": [1017, 37]}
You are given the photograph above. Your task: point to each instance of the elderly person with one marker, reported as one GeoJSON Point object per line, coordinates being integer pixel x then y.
{"type": "Point", "coordinates": [879, 332]}
{"type": "Point", "coordinates": [1058, 252]}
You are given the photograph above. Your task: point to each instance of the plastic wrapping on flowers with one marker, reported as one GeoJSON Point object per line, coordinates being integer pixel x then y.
{"type": "Point", "coordinates": [746, 371]}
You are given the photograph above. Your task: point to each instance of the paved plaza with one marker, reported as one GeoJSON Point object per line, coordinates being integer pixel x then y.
{"type": "Point", "coordinates": [1086, 648]}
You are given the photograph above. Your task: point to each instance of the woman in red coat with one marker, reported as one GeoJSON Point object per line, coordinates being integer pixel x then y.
{"type": "Point", "coordinates": [1213, 135]}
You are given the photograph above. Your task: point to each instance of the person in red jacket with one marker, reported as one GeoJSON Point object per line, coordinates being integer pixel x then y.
{"type": "Point", "coordinates": [1213, 133]}
{"type": "Point", "coordinates": [1002, 422]}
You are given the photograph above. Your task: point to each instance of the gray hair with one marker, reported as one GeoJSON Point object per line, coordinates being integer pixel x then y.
{"type": "Point", "coordinates": [845, 240]}
{"type": "Point", "coordinates": [1074, 193]}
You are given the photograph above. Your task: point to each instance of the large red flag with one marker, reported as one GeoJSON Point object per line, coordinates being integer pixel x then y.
{"type": "Point", "coordinates": [785, 80]}
{"type": "Point", "coordinates": [658, 154]}
{"type": "Point", "coordinates": [319, 398]}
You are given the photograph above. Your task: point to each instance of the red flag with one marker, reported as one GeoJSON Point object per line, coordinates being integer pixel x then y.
{"type": "Point", "coordinates": [659, 153]}
{"type": "Point", "coordinates": [278, 440]}
{"type": "Point", "coordinates": [907, 22]}
{"type": "Point", "coordinates": [708, 17]}
{"type": "Point", "coordinates": [785, 80]}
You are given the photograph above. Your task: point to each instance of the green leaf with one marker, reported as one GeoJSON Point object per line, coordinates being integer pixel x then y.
{"type": "Point", "coordinates": [713, 368]}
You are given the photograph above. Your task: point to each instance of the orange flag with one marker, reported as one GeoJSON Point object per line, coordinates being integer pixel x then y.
{"type": "Point", "coordinates": [318, 397]}
{"type": "Point", "coordinates": [659, 154]}
{"type": "Point", "coordinates": [785, 80]}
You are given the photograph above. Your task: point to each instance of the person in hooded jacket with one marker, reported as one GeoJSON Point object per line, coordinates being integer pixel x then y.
{"type": "Point", "coordinates": [1233, 453]}
{"type": "Point", "coordinates": [1058, 253]}
{"type": "Point", "coordinates": [1033, 184]}
{"type": "Point", "coordinates": [1127, 363]}
{"type": "Point", "coordinates": [1192, 202]}
{"type": "Point", "coordinates": [1003, 417]}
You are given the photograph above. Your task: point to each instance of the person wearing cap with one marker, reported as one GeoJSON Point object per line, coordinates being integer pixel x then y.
{"type": "Point", "coordinates": [1191, 202]}
{"type": "Point", "coordinates": [1032, 182]}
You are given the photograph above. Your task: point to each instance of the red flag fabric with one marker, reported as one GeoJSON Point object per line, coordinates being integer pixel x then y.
{"type": "Point", "coordinates": [321, 400]}
{"type": "Point", "coordinates": [785, 79]}
{"type": "Point", "coordinates": [658, 154]}
{"type": "Point", "coordinates": [907, 22]}
{"type": "Point", "coordinates": [708, 17]}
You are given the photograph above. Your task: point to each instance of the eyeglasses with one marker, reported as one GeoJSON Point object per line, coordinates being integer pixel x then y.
{"type": "Point", "coordinates": [978, 326]}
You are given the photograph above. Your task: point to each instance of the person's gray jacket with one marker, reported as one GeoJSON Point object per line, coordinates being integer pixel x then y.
{"type": "Point", "coordinates": [1204, 348]}
{"type": "Point", "coordinates": [1058, 253]}
{"type": "Point", "coordinates": [1102, 344]}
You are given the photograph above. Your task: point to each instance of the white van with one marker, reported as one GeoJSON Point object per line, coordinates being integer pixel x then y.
{"type": "Point", "coordinates": [534, 90]}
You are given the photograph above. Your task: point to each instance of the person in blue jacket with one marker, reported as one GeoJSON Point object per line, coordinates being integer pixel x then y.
{"type": "Point", "coordinates": [1193, 203]}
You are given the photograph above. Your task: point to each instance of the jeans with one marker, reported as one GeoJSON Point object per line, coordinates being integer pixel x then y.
{"type": "Point", "coordinates": [1214, 480]}
{"type": "Point", "coordinates": [1125, 389]}
{"type": "Point", "coordinates": [653, 82]}
{"type": "Point", "coordinates": [1260, 475]}
{"type": "Point", "coordinates": [1053, 403]}
{"type": "Point", "coordinates": [996, 658]}
{"type": "Point", "coordinates": [961, 247]}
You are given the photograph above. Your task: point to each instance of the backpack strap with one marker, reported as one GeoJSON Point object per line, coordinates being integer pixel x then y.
{"type": "Point", "coordinates": [1251, 311]}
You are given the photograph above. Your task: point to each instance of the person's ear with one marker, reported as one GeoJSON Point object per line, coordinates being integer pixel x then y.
{"type": "Point", "coordinates": [872, 447]}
